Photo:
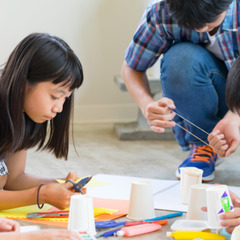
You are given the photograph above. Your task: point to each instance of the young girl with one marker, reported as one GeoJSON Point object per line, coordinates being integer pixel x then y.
{"type": "Point", "coordinates": [36, 100]}
{"type": "Point", "coordinates": [10, 230]}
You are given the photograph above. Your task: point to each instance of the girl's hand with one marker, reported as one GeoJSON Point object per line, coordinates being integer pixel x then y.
{"type": "Point", "coordinates": [159, 114]}
{"type": "Point", "coordinates": [8, 225]}
{"type": "Point", "coordinates": [73, 176]}
{"type": "Point", "coordinates": [56, 194]}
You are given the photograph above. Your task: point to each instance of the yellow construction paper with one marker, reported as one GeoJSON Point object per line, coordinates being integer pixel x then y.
{"type": "Point", "coordinates": [92, 183]}
{"type": "Point", "coordinates": [101, 210]}
{"type": "Point", "coordinates": [22, 212]}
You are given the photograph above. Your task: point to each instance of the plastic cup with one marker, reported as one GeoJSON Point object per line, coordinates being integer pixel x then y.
{"type": "Point", "coordinates": [81, 214]}
{"type": "Point", "coordinates": [141, 204]}
{"type": "Point", "coordinates": [218, 202]}
{"type": "Point", "coordinates": [189, 176]}
{"type": "Point", "coordinates": [197, 200]}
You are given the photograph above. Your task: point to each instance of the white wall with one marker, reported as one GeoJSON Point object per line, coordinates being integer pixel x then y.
{"type": "Point", "coordinates": [98, 31]}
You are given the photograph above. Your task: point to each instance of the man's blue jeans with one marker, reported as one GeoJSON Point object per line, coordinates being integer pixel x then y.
{"type": "Point", "coordinates": [195, 80]}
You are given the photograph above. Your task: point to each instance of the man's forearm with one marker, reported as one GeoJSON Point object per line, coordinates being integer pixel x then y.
{"type": "Point", "coordinates": [137, 85]}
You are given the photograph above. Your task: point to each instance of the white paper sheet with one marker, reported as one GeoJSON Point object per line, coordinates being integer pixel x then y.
{"type": "Point", "coordinates": [166, 193]}
{"type": "Point", "coordinates": [29, 228]}
{"type": "Point", "coordinates": [119, 187]}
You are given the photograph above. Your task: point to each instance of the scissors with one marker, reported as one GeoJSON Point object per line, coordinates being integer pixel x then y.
{"type": "Point", "coordinates": [48, 214]}
{"type": "Point", "coordinates": [80, 184]}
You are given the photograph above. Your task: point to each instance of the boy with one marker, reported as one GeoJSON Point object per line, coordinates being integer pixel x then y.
{"type": "Point", "coordinates": [199, 43]}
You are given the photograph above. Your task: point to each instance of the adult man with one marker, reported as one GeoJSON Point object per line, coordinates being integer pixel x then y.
{"type": "Point", "coordinates": [199, 41]}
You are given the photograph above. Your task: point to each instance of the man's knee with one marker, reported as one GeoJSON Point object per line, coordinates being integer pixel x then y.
{"type": "Point", "coordinates": [182, 62]}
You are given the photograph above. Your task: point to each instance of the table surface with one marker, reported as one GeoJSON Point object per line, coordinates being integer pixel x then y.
{"type": "Point", "coordinates": [158, 235]}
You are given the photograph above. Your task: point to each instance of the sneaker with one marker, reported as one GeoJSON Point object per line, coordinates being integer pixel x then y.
{"type": "Point", "coordinates": [204, 158]}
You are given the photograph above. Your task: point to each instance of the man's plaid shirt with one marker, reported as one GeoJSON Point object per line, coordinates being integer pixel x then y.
{"type": "Point", "coordinates": [158, 31]}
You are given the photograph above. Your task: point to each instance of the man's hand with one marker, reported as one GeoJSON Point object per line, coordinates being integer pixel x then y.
{"type": "Point", "coordinates": [159, 114]}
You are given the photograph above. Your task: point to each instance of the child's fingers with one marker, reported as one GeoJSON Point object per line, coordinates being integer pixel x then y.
{"type": "Point", "coordinates": [230, 223]}
{"type": "Point", "coordinates": [212, 135]}
{"type": "Point", "coordinates": [232, 148]}
{"type": "Point", "coordinates": [235, 214]}
{"type": "Point", "coordinates": [84, 190]}
{"type": "Point", "coordinates": [222, 151]}
{"type": "Point", "coordinates": [204, 209]}
{"type": "Point", "coordinates": [72, 175]}
{"type": "Point", "coordinates": [229, 229]}
{"type": "Point", "coordinates": [69, 185]}
{"type": "Point", "coordinates": [8, 225]}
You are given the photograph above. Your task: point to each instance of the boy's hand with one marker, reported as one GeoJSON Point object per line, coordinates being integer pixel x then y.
{"type": "Point", "coordinates": [225, 137]}
{"type": "Point", "coordinates": [230, 219]}
{"type": "Point", "coordinates": [159, 114]}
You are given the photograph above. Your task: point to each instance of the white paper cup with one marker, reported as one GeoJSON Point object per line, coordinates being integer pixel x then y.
{"type": "Point", "coordinates": [236, 233]}
{"type": "Point", "coordinates": [141, 201]}
{"type": "Point", "coordinates": [91, 220]}
{"type": "Point", "coordinates": [81, 214]}
{"type": "Point", "coordinates": [189, 176]}
{"type": "Point", "coordinates": [218, 202]}
{"type": "Point", "coordinates": [197, 200]}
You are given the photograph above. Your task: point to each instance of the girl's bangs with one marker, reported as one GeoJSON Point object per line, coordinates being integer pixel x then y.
{"type": "Point", "coordinates": [70, 75]}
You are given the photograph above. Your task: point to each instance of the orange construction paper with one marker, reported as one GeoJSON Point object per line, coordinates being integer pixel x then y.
{"type": "Point", "coordinates": [121, 205]}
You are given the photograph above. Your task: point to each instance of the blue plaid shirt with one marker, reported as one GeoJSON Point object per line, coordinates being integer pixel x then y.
{"type": "Point", "coordinates": [158, 31]}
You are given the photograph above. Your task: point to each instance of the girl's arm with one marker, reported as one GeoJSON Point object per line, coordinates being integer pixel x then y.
{"type": "Point", "coordinates": [17, 178]}
{"type": "Point", "coordinates": [23, 187]}
{"type": "Point", "coordinates": [56, 194]}
{"type": "Point", "coordinates": [48, 234]}
{"type": "Point", "coordinates": [9, 229]}
{"type": "Point", "coordinates": [157, 113]}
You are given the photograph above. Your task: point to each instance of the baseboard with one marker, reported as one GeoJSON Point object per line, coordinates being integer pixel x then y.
{"type": "Point", "coordinates": [105, 114]}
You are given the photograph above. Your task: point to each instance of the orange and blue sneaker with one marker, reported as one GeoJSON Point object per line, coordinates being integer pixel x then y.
{"type": "Point", "coordinates": [204, 158]}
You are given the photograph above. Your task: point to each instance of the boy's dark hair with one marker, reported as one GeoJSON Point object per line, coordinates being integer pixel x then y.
{"type": "Point", "coordinates": [37, 58]}
{"type": "Point", "coordinates": [232, 90]}
{"type": "Point", "coordinates": [195, 14]}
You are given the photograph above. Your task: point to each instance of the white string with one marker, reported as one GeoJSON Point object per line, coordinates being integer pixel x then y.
{"type": "Point", "coordinates": [194, 126]}
{"type": "Point", "coordinates": [192, 134]}
{"type": "Point", "coordinates": [191, 123]}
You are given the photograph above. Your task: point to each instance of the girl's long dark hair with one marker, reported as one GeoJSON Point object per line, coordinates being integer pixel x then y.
{"type": "Point", "coordinates": [37, 58]}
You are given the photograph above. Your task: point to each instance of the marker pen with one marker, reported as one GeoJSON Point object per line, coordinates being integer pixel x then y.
{"type": "Point", "coordinates": [189, 235]}
{"type": "Point", "coordinates": [171, 215]}
{"type": "Point", "coordinates": [138, 229]}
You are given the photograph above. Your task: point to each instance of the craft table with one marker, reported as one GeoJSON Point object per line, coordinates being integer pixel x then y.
{"type": "Point", "coordinates": [158, 235]}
